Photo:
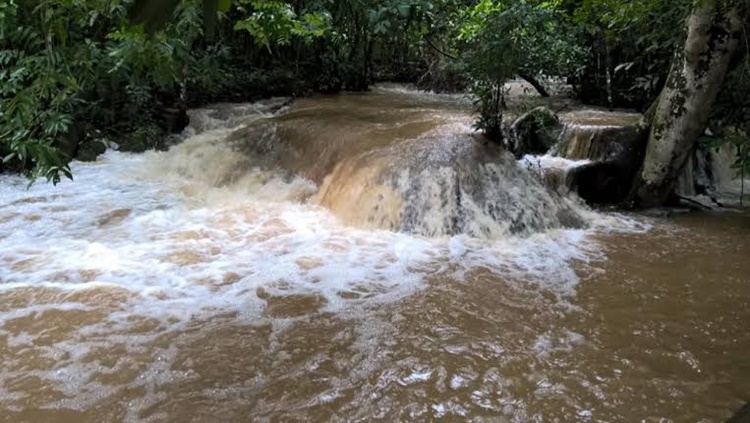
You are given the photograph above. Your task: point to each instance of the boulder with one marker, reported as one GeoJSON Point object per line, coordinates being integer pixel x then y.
{"type": "Point", "coordinates": [605, 182]}
{"type": "Point", "coordinates": [174, 119]}
{"type": "Point", "coordinates": [535, 132]}
{"type": "Point", "coordinates": [69, 142]}
{"type": "Point", "coordinates": [89, 150]}
{"type": "Point", "coordinates": [615, 143]}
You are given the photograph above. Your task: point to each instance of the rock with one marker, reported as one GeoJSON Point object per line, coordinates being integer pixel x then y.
{"type": "Point", "coordinates": [69, 142]}
{"type": "Point", "coordinates": [602, 136]}
{"type": "Point", "coordinates": [533, 133]}
{"type": "Point", "coordinates": [602, 182]}
{"type": "Point", "coordinates": [90, 150]}
{"type": "Point", "coordinates": [614, 142]}
{"type": "Point", "coordinates": [174, 119]}
{"type": "Point", "coordinates": [709, 175]}
{"type": "Point", "coordinates": [444, 185]}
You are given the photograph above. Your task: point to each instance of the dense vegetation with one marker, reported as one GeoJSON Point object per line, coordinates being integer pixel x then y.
{"type": "Point", "coordinates": [76, 74]}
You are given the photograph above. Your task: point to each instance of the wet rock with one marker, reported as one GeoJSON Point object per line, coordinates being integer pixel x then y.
{"type": "Point", "coordinates": [709, 176]}
{"type": "Point", "coordinates": [90, 150]}
{"type": "Point", "coordinates": [174, 119]}
{"type": "Point", "coordinates": [534, 132]}
{"type": "Point", "coordinates": [621, 142]}
{"type": "Point", "coordinates": [602, 182]}
{"type": "Point", "coordinates": [615, 143]}
{"type": "Point", "coordinates": [69, 142]}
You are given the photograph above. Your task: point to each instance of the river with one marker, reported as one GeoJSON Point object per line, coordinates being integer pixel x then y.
{"type": "Point", "coordinates": [308, 265]}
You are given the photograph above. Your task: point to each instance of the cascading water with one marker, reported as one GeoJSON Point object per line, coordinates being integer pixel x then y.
{"type": "Point", "coordinates": [710, 178]}
{"type": "Point", "coordinates": [598, 154]}
{"type": "Point", "coordinates": [228, 227]}
{"type": "Point", "coordinates": [354, 258]}
{"type": "Point", "coordinates": [425, 174]}
{"type": "Point", "coordinates": [445, 184]}
{"type": "Point", "coordinates": [598, 135]}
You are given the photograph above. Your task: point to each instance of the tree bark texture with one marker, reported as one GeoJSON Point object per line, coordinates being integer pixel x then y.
{"type": "Point", "coordinates": [684, 105]}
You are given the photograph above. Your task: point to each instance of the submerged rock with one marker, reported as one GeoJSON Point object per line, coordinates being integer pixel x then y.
{"type": "Point", "coordinates": [444, 186]}
{"type": "Point", "coordinates": [404, 163]}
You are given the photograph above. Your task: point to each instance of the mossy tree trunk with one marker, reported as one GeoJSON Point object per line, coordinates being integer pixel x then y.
{"type": "Point", "coordinates": [684, 105]}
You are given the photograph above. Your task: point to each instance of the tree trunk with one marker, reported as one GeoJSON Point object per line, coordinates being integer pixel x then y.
{"type": "Point", "coordinates": [608, 64]}
{"type": "Point", "coordinates": [684, 105]}
{"type": "Point", "coordinates": [534, 83]}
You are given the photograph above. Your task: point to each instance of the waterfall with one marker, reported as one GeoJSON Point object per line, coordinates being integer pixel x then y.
{"type": "Point", "coordinates": [710, 178]}
{"type": "Point", "coordinates": [598, 153]}
{"type": "Point", "coordinates": [409, 165]}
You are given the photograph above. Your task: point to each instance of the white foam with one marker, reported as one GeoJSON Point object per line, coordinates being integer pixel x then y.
{"type": "Point", "coordinates": [548, 162]}
{"type": "Point", "coordinates": [458, 382]}
{"type": "Point", "coordinates": [412, 91]}
{"type": "Point", "coordinates": [175, 237]}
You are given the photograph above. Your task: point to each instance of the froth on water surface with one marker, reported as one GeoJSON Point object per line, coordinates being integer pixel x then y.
{"type": "Point", "coordinates": [208, 284]}
{"type": "Point", "coordinates": [406, 162]}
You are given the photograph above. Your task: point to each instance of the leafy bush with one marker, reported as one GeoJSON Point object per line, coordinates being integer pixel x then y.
{"type": "Point", "coordinates": [48, 55]}
{"type": "Point", "coordinates": [78, 62]}
{"type": "Point", "coordinates": [76, 70]}
{"type": "Point", "coordinates": [505, 39]}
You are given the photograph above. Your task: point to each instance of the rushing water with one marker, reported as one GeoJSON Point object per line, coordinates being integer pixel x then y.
{"type": "Point", "coordinates": [228, 280]}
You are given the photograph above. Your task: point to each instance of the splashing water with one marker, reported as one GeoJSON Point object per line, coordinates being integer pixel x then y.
{"type": "Point", "coordinates": [228, 279]}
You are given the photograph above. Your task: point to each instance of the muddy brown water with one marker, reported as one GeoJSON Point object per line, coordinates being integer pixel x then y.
{"type": "Point", "coordinates": [151, 289]}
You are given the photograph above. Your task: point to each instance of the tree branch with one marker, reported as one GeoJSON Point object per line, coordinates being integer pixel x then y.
{"type": "Point", "coordinates": [438, 49]}
{"type": "Point", "coordinates": [534, 83]}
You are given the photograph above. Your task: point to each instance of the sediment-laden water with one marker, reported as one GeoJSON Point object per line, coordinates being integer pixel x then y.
{"type": "Point", "coordinates": [358, 258]}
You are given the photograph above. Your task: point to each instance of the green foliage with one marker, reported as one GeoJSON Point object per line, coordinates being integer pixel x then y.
{"type": "Point", "coordinates": [500, 40]}
{"type": "Point", "coordinates": [47, 59]}
{"type": "Point", "coordinates": [77, 61]}
{"type": "Point", "coordinates": [386, 17]}
{"type": "Point", "coordinates": [633, 42]}
{"type": "Point", "coordinates": [503, 39]}
{"type": "Point", "coordinates": [275, 22]}
{"type": "Point", "coordinates": [490, 105]}
{"type": "Point", "coordinates": [76, 70]}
